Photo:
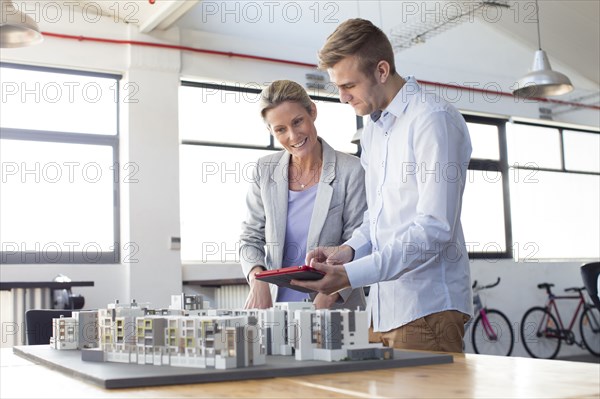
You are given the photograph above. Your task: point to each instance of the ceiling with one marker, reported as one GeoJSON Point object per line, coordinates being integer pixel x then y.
{"type": "Point", "coordinates": [570, 33]}
{"type": "Point", "coordinates": [570, 30]}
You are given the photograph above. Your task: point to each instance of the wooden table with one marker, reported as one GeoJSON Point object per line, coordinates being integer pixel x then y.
{"type": "Point", "coordinates": [470, 376]}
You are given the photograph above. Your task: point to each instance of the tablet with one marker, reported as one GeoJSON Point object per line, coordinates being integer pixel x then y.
{"type": "Point", "coordinates": [283, 276]}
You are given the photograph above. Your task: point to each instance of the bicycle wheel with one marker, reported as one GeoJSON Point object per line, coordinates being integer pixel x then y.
{"type": "Point", "coordinates": [589, 326]}
{"type": "Point", "coordinates": [493, 334]}
{"type": "Point", "coordinates": [540, 333]}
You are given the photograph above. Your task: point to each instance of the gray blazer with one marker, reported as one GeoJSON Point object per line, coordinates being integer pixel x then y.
{"type": "Point", "coordinates": [338, 210]}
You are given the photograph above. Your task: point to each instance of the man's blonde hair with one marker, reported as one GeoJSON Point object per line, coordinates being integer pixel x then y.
{"type": "Point", "coordinates": [281, 91]}
{"type": "Point", "coordinates": [360, 38]}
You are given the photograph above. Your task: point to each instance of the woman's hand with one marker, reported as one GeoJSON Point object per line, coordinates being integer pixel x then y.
{"type": "Point", "coordinates": [260, 294]}
{"type": "Point", "coordinates": [323, 301]}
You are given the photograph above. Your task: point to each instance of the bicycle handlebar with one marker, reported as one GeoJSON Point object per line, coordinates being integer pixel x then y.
{"type": "Point", "coordinates": [546, 286]}
{"type": "Point", "coordinates": [485, 287]}
{"type": "Point", "coordinates": [492, 285]}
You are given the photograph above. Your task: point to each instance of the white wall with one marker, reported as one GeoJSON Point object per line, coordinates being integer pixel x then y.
{"type": "Point", "coordinates": [149, 137]}
{"type": "Point", "coordinates": [518, 292]}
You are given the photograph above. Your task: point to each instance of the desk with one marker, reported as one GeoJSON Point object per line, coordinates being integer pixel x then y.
{"type": "Point", "coordinates": [470, 376]}
{"type": "Point", "coordinates": [27, 295]}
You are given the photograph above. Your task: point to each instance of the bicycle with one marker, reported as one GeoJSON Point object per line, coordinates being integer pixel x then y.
{"type": "Point", "coordinates": [542, 332]}
{"type": "Point", "coordinates": [492, 333]}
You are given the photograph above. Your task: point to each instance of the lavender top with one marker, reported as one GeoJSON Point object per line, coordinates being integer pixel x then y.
{"type": "Point", "coordinates": [300, 209]}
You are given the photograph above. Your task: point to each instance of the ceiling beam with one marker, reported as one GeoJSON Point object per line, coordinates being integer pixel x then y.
{"type": "Point", "coordinates": [167, 12]}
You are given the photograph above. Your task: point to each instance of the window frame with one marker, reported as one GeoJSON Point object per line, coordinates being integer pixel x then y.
{"type": "Point", "coordinates": [500, 166]}
{"type": "Point", "coordinates": [562, 168]}
{"type": "Point", "coordinates": [67, 257]}
{"type": "Point", "coordinates": [504, 168]}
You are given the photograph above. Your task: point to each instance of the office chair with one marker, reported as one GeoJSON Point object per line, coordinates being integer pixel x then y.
{"type": "Point", "coordinates": [38, 324]}
{"type": "Point", "coordinates": [589, 274]}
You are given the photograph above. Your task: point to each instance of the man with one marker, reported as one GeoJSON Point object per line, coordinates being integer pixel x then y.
{"type": "Point", "coordinates": [410, 247]}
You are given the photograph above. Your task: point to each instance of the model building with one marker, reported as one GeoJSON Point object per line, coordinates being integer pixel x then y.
{"type": "Point", "coordinates": [188, 334]}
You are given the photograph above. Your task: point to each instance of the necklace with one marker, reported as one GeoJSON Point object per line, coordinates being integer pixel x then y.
{"type": "Point", "coordinates": [314, 175]}
{"type": "Point", "coordinates": [311, 179]}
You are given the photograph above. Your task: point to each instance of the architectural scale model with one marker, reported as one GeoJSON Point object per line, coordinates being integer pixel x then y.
{"type": "Point", "coordinates": [188, 334]}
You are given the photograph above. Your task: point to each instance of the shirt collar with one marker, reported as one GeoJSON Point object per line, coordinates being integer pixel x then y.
{"type": "Point", "coordinates": [376, 115]}
{"type": "Point", "coordinates": [403, 97]}
{"type": "Point", "coordinates": [400, 101]}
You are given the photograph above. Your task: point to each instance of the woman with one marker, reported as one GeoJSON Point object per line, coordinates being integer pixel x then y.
{"type": "Point", "coordinates": [305, 196]}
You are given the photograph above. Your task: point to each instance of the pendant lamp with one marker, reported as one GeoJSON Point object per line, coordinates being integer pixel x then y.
{"type": "Point", "coordinates": [542, 81]}
{"type": "Point", "coordinates": [17, 29]}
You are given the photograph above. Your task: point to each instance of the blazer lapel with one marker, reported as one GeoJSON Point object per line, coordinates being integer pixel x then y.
{"type": "Point", "coordinates": [323, 199]}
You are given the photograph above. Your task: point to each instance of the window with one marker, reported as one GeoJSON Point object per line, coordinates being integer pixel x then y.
{"type": "Point", "coordinates": [484, 215]}
{"type": "Point", "coordinates": [555, 215]}
{"type": "Point", "coordinates": [58, 151]}
{"type": "Point", "coordinates": [484, 140]}
{"type": "Point", "coordinates": [533, 146]}
{"type": "Point", "coordinates": [336, 123]}
{"type": "Point", "coordinates": [52, 100]}
{"type": "Point", "coordinates": [532, 191]}
{"type": "Point", "coordinates": [209, 114]}
{"type": "Point", "coordinates": [554, 192]}
{"type": "Point", "coordinates": [223, 136]}
{"type": "Point", "coordinates": [582, 151]}
{"type": "Point", "coordinates": [214, 185]}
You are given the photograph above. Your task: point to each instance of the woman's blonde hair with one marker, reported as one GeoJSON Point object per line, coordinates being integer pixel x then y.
{"type": "Point", "coordinates": [281, 91]}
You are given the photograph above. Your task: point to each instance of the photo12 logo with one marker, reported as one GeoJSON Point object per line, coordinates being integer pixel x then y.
{"type": "Point", "coordinates": [53, 12]}
{"type": "Point", "coordinates": [269, 11]}
{"type": "Point", "coordinates": [27, 92]}
{"type": "Point", "coordinates": [67, 172]}
{"type": "Point", "coordinates": [446, 12]}
{"type": "Point", "coordinates": [53, 252]}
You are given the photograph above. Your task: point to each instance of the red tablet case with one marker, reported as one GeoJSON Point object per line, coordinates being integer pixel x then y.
{"type": "Point", "coordinates": [283, 276]}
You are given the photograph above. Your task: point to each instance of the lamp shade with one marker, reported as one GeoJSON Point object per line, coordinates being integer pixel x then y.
{"type": "Point", "coordinates": [542, 81]}
{"type": "Point", "coordinates": [17, 29]}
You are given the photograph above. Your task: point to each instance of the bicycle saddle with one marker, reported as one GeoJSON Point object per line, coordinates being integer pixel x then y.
{"type": "Point", "coordinates": [545, 285]}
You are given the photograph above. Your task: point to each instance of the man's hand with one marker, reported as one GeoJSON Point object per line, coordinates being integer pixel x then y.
{"type": "Point", "coordinates": [335, 279]}
{"type": "Point", "coordinates": [260, 294]}
{"type": "Point", "coordinates": [323, 301]}
{"type": "Point", "coordinates": [331, 255]}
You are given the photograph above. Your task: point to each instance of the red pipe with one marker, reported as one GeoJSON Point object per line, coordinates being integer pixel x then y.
{"type": "Point", "coordinates": [176, 47]}
{"type": "Point", "coordinates": [502, 93]}
{"type": "Point", "coordinates": [296, 63]}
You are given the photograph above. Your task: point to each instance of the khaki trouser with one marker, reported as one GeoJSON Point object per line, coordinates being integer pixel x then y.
{"type": "Point", "coordinates": [443, 332]}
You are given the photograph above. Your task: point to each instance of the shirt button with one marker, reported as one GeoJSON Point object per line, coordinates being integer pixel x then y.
{"type": "Point", "coordinates": [386, 133]}
{"type": "Point", "coordinates": [382, 164]}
